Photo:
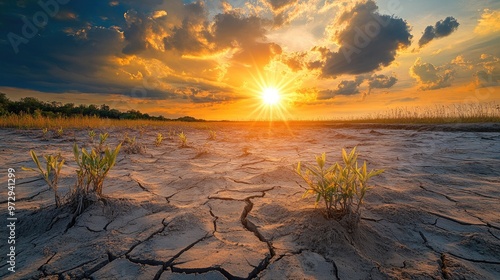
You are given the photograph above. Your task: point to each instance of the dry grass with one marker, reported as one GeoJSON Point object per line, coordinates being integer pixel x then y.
{"type": "Point", "coordinates": [461, 113]}
{"type": "Point", "coordinates": [27, 121]}
{"type": "Point", "coordinates": [457, 113]}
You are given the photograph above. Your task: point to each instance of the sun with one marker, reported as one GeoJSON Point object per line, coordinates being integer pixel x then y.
{"type": "Point", "coordinates": [271, 96]}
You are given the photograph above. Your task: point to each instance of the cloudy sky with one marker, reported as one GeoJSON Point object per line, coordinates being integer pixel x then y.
{"type": "Point", "coordinates": [212, 59]}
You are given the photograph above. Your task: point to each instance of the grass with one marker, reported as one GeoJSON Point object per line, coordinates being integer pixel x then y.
{"type": "Point", "coordinates": [341, 186]}
{"type": "Point", "coordinates": [27, 121]}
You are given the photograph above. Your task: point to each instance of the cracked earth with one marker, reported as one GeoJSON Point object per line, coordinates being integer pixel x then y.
{"type": "Point", "coordinates": [233, 208]}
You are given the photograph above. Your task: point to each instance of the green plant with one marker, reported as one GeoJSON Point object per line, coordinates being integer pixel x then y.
{"type": "Point", "coordinates": [93, 167]}
{"type": "Point", "coordinates": [159, 139]}
{"type": "Point", "coordinates": [102, 141]}
{"type": "Point", "coordinates": [183, 139]}
{"type": "Point", "coordinates": [51, 172]}
{"type": "Point", "coordinates": [92, 135]}
{"type": "Point", "coordinates": [341, 186]}
{"type": "Point", "coordinates": [212, 135]}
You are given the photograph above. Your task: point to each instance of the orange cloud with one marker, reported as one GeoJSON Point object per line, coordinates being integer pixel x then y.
{"type": "Point", "coordinates": [488, 23]}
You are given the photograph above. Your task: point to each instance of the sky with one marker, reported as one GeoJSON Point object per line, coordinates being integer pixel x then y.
{"type": "Point", "coordinates": [214, 59]}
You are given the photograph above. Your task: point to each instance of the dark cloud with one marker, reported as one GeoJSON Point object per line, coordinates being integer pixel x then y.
{"type": "Point", "coordinates": [280, 4]}
{"type": "Point", "coordinates": [381, 81]}
{"type": "Point", "coordinates": [431, 77]}
{"type": "Point", "coordinates": [346, 88]}
{"type": "Point", "coordinates": [369, 41]}
{"type": "Point", "coordinates": [441, 29]}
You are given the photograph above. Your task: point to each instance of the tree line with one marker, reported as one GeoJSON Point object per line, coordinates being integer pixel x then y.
{"type": "Point", "coordinates": [35, 107]}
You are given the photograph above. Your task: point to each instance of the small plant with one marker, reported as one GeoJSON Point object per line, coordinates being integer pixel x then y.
{"type": "Point", "coordinates": [59, 132]}
{"type": "Point", "coordinates": [51, 172]}
{"type": "Point", "coordinates": [132, 146]}
{"type": "Point", "coordinates": [158, 140]}
{"type": "Point", "coordinates": [45, 132]}
{"type": "Point", "coordinates": [212, 135]}
{"type": "Point", "coordinates": [183, 139]}
{"type": "Point", "coordinates": [203, 150]}
{"type": "Point", "coordinates": [93, 167]}
{"type": "Point", "coordinates": [92, 135]}
{"type": "Point", "coordinates": [342, 187]}
{"type": "Point", "coordinates": [171, 134]}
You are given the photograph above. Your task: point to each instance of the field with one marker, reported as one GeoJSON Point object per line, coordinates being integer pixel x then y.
{"type": "Point", "coordinates": [231, 207]}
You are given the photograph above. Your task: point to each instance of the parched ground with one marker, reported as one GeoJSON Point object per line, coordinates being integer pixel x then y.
{"type": "Point", "coordinates": [232, 208]}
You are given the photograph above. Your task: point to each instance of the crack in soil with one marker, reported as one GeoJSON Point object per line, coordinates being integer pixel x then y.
{"type": "Point", "coordinates": [253, 228]}
{"type": "Point", "coordinates": [426, 243]}
{"type": "Point", "coordinates": [441, 194]}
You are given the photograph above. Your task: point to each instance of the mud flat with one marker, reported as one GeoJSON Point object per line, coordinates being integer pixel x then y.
{"type": "Point", "coordinates": [233, 208]}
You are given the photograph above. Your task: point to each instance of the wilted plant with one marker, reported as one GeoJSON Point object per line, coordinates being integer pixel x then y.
{"type": "Point", "coordinates": [92, 135]}
{"type": "Point", "coordinates": [212, 135]}
{"type": "Point", "coordinates": [51, 172]}
{"type": "Point", "coordinates": [93, 167]}
{"type": "Point", "coordinates": [342, 187]}
{"type": "Point", "coordinates": [159, 139]}
{"type": "Point", "coordinates": [183, 139]}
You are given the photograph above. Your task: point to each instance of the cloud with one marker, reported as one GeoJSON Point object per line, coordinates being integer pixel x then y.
{"type": "Point", "coordinates": [489, 73]}
{"type": "Point", "coordinates": [381, 81]}
{"type": "Point", "coordinates": [277, 5]}
{"type": "Point", "coordinates": [441, 29]}
{"type": "Point", "coordinates": [431, 77]}
{"type": "Point", "coordinates": [488, 23]}
{"type": "Point", "coordinates": [368, 42]}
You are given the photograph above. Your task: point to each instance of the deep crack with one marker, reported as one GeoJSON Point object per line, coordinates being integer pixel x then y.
{"type": "Point", "coordinates": [253, 228]}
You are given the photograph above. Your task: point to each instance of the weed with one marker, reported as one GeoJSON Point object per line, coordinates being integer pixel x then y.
{"type": "Point", "coordinates": [59, 132]}
{"type": "Point", "coordinates": [93, 167]}
{"type": "Point", "coordinates": [183, 140]}
{"type": "Point", "coordinates": [212, 135]}
{"type": "Point", "coordinates": [171, 134]}
{"type": "Point", "coordinates": [159, 139]}
{"type": "Point", "coordinates": [342, 187]}
{"type": "Point", "coordinates": [102, 141]}
{"type": "Point", "coordinates": [51, 172]}
{"type": "Point", "coordinates": [203, 150]}
{"type": "Point", "coordinates": [91, 135]}
{"type": "Point", "coordinates": [132, 146]}
{"type": "Point", "coordinates": [45, 132]}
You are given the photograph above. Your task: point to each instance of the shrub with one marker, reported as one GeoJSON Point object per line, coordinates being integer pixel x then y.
{"type": "Point", "coordinates": [93, 167]}
{"type": "Point", "coordinates": [51, 172]}
{"type": "Point", "coordinates": [342, 187]}
{"type": "Point", "coordinates": [183, 139]}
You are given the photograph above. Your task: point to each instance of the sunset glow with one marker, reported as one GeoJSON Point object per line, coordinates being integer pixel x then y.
{"type": "Point", "coordinates": [270, 96]}
{"type": "Point", "coordinates": [212, 59]}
